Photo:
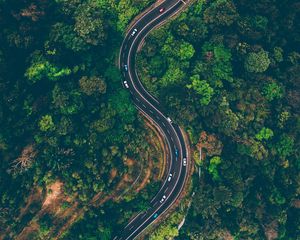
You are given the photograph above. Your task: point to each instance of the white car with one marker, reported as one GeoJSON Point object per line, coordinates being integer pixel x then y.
{"type": "Point", "coordinates": [133, 32]}
{"type": "Point", "coordinates": [163, 199]}
{"type": "Point", "coordinates": [184, 162]}
{"type": "Point", "coordinates": [170, 177]}
{"type": "Point", "coordinates": [126, 84]}
{"type": "Point", "coordinates": [169, 120]}
{"type": "Point", "coordinates": [126, 68]}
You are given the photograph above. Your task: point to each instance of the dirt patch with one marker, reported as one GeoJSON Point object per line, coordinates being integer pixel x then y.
{"type": "Point", "coordinates": [113, 174]}
{"type": "Point", "coordinates": [35, 196]}
{"type": "Point", "coordinates": [129, 162]}
{"type": "Point", "coordinates": [160, 147]}
{"type": "Point", "coordinates": [76, 214]}
{"type": "Point", "coordinates": [296, 203]}
{"type": "Point", "coordinates": [271, 230]}
{"type": "Point", "coordinates": [27, 231]}
{"type": "Point", "coordinates": [54, 192]}
{"type": "Point", "coordinates": [52, 204]}
{"type": "Point", "coordinates": [96, 201]}
{"type": "Point", "coordinates": [65, 217]}
{"type": "Point", "coordinates": [146, 178]}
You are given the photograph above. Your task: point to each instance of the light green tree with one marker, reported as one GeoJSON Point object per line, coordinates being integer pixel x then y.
{"type": "Point", "coordinates": [178, 49]}
{"type": "Point", "coordinates": [257, 62]}
{"type": "Point", "coordinates": [202, 88]}
{"type": "Point", "coordinates": [168, 230]}
{"type": "Point", "coordinates": [41, 68]}
{"type": "Point", "coordinates": [213, 167]}
{"type": "Point", "coordinates": [272, 91]}
{"type": "Point", "coordinates": [186, 51]}
{"type": "Point", "coordinates": [282, 118]}
{"type": "Point", "coordinates": [220, 62]}
{"type": "Point", "coordinates": [285, 146]}
{"type": "Point", "coordinates": [46, 123]}
{"type": "Point", "coordinates": [172, 76]}
{"type": "Point", "coordinates": [264, 134]}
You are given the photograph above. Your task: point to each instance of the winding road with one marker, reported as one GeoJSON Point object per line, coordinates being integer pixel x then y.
{"type": "Point", "coordinates": [150, 107]}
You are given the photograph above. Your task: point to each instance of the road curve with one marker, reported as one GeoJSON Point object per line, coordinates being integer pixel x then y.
{"type": "Point", "coordinates": [150, 107]}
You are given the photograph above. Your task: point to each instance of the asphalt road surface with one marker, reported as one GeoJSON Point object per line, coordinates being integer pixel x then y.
{"type": "Point", "coordinates": [150, 107]}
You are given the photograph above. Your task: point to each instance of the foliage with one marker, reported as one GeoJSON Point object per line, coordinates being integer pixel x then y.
{"type": "Point", "coordinates": [168, 229]}
{"type": "Point", "coordinates": [278, 54]}
{"type": "Point", "coordinates": [90, 24]}
{"type": "Point", "coordinates": [220, 58]}
{"type": "Point", "coordinates": [220, 13]}
{"type": "Point", "coordinates": [272, 91]}
{"type": "Point", "coordinates": [285, 146]}
{"type": "Point", "coordinates": [244, 74]}
{"type": "Point", "coordinates": [264, 133]}
{"type": "Point", "coordinates": [227, 68]}
{"type": "Point", "coordinates": [257, 62]}
{"type": "Point", "coordinates": [92, 85]}
{"type": "Point", "coordinates": [46, 123]}
{"type": "Point", "coordinates": [213, 165]}
{"type": "Point", "coordinates": [172, 75]}
{"type": "Point", "coordinates": [202, 88]}
{"type": "Point", "coordinates": [253, 27]}
{"type": "Point", "coordinates": [43, 69]}
{"type": "Point", "coordinates": [62, 95]}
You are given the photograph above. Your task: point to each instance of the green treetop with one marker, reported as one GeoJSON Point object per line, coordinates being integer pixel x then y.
{"type": "Point", "coordinates": [221, 13]}
{"type": "Point", "coordinates": [213, 167]}
{"type": "Point", "coordinates": [257, 62]}
{"type": "Point", "coordinates": [92, 85]}
{"type": "Point", "coordinates": [202, 88]}
{"type": "Point", "coordinates": [272, 91]}
{"type": "Point", "coordinates": [46, 123]}
{"type": "Point", "coordinates": [264, 133]}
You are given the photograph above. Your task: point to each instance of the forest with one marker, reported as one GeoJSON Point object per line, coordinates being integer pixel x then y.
{"type": "Point", "coordinates": [77, 160]}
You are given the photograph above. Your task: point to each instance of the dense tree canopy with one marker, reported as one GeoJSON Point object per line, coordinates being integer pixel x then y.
{"type": "Point", "coordinates": [227, 71]}
{"type": "Point", "coordinates": [240, 87]}
{"type": "Point", "coordinates": [257, 62]}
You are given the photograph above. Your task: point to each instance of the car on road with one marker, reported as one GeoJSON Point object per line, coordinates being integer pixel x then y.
{"type": "Point", "coordinates": [176, 152]}
{"type": "Point", "coordinates": [155, 215]}
{"type": "Point", "coordinates": [126, 84]}
{"type": "Point", "coordinates": [161, 10]}
{"type": "Point", "coordinates": [133, 32]}
{"type": "Point", "coordinates": [169, 120]}
{"type": "Point", "coordinates": [126, 67]}
{"type": "Point", "coordinates": [163, 199]}
{"type": "Point", "coordinates": [170, 177]}
{"type": "Point", "coordinates": [184, 162]}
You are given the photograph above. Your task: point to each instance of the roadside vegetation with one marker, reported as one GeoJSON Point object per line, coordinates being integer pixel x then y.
{"type": "Point", "coordinates": [228, 72]}
{"type": "Point", "coordinates": [77, 161]}
{"type": "Point", "coordinates": [65, 118]}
